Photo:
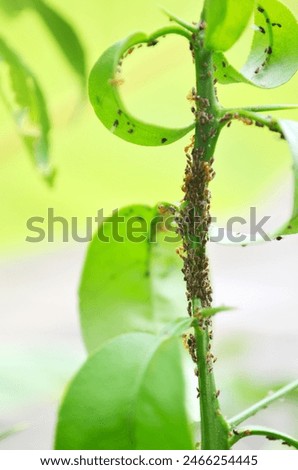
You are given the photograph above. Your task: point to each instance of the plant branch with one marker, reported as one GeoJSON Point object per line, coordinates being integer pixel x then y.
{"type": "Point", "coordinates": [248, 118]}
{"type": "Point", "coordinates": [262, 108]}
{"type": "Point", "coordinates": [169, 30]}
{"type": "Point", "coordinates": [193, 225]}
{"type": "Point", "coordinates": [179, 21]}
{"type": "Point", "coordinates": [270, 434]}
{"type": "Point", "coordinates": [262, 404]}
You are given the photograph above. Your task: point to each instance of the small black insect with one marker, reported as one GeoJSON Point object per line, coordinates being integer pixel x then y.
{"type": "Point", "coordinates": [279, 238]}
{"type": "Point", "coordinates": [164, 140]}
{"type": "Point", "coordinates": [152, 43]}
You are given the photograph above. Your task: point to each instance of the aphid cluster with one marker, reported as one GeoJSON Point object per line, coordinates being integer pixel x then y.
{"type": "Point", "coordinates": [189, 342]}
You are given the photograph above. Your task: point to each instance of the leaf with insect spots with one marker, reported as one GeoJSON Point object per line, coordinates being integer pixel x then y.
{"type": "Point", "coordinates": [273, 59]}
{"type": "Point", "coordinates": [134, 284]}
{"type": "Point", "coordinates": [226, 21]}
{"type": "Point", "coordinates": [28, 109]}
{"type": "Point", "coordinates": [105, 98]}
{"type": "Point", "coordinates": [129, 395]}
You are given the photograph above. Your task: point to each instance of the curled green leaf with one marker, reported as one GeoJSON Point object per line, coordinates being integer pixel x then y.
{"type": "Point", "coordinates": [130, 395]}
{"type": "Point", "coordinates": [273, 58]}
{"type": "Point", "coordinates": [28, 109]}
{"type": "Point", "coordinates": [226, 21]}
{"type": "Point", "coordinates": [104, 82]}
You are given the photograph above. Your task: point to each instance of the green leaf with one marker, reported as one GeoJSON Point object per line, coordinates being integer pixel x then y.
{"type": "Point", "coordinates": [273, 58]}
{"type": "Point", "coordinates": [226, 21]}
{"type": "Point", "coordinates": [104, 95]}
{"type": "Point", "coordinates": [28, 110]}
{"type": "Point", "coordinates": [65, 36]}
{"type": "Point", "coordinates": [129, 395]}
{"type": "Point", "coordinates": [210, 312]}
{"type": "Point", "coordinates": [130, 285]}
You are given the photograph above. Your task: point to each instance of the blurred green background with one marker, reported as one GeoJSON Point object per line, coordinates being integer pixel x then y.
{"type": "Point", "coordinates": [96, 170]}
{"type": "Point", "coordinates": [40, 339]}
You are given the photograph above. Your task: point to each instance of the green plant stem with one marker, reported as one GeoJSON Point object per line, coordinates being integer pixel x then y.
{"type": "Point", "coordinates": [249, 117]}
{"type": "Point", "coordinates": [169, 30]}
{"type": "Point", "coordinates": [179, 21]}
{"type": "Point", "coordinates": [262, 404]}
{"type": "Point", "coordinates": [263, 108]}
{"type": "Point", "coordinates": [270, 434]}
{"type": "Point", "coordinates": [194, 227]}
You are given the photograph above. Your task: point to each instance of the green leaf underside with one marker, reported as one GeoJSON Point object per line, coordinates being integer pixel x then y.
{"type": "Point", "coordinates": [28, 110]}
{"type": "Point", "coordinates": [137, 284]}
{"type": "Point", "coordinates": [129, 395]}
{"type": "Point", "coordinates": [273, 59]}
{"type": "Point", "coordinates": [65, 36]}
{"type": "Point", "coordinates": [269, 433]}
{"type": "Point", "coordinates": [226, 21]}
{"type": "Point", "coordinates": [290, 131]}
{"type": "Point", "coordinates": [109, 108]}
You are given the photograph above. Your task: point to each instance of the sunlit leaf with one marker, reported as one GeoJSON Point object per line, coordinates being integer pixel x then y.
{"type": "Point", "coordinates": [273, 59]}
{"type": "Point", "coordinates": [104, 82]}
{"type": "Point", "coordinates": [65, 35]}
{"type": "Point", "coordinates": [28, 109]}
{"type": "Point", "coordinates": [226, 20]}
{"type": "Point", "coordinates": [128, 395]}
{"type": "Point", "coordinates": [130, 285]}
